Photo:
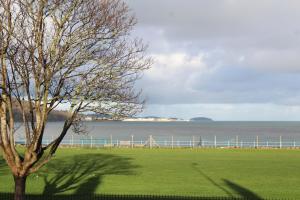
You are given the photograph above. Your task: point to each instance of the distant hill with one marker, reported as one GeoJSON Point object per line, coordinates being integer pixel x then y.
{"type": "Point", "coordinates": [97, 117]}
{"type": "Point", "coordinates": [201, 119]}
{"type": "Point", "coordinates": [55, 115]}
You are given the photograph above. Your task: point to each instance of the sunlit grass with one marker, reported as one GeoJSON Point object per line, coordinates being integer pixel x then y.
{"type": "Point", "coordinates": [197, 172]}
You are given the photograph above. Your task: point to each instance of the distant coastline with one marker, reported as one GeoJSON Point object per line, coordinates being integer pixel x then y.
{"type": "Point", "coordinates": [201, 119]}
{"type": "Point", "coordinates": [155, 119]}
{"type": "Point", "coordinates": [144, 119]}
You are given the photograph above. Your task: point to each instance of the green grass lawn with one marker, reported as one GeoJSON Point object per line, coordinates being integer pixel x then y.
{"type": "Point", "coordinates": [194, 172]}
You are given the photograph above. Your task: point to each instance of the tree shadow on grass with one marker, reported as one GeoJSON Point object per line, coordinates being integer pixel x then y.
{"type": "Point", "coordinates": [82, 174]}
{"type": "Point", "coordinates": [3, 166]}
{"type": "Point", "coordinates": [194, 165]}
{"type": "Point", "coordinates": [243, 192]}
{"type": "Point", "coordinates": [2, 162]}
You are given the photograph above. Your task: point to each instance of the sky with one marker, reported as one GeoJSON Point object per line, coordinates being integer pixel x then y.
{"type": "Point", "coordinates": [233, 60]}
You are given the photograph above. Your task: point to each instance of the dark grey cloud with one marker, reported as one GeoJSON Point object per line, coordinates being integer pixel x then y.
{"type": "Point", "coordinates": [258, 23]}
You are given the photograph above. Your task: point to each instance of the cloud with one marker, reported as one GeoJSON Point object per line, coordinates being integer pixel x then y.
{"type": "Point", "coordinates": [168, 81]}
{"type": "Point", "coordinates": [221, 52]}
{"type": "Point", "coordinates": [179, 78]}
{"type": "Point", "coordinates": [214, 19]}
{"type": "Point", "coordinates": [266, 33]}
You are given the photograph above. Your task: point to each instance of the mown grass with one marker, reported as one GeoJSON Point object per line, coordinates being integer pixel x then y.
{"type": "Point", "coordinates": [193, 172]}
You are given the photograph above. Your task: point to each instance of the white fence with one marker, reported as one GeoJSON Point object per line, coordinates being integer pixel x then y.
{"type": "Point", "coordinates": [179, 142]}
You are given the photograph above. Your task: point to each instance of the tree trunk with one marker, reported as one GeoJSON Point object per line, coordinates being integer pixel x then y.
{"type": "Point", "coordinates": [20, 183]}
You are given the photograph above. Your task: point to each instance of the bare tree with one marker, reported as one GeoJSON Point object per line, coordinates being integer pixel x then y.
{"type": "Point", "coordinates": [52, 52]}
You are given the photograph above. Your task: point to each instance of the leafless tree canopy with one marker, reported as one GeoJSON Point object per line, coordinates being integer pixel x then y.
{"type": "Point", "coordinates": [77, 52]}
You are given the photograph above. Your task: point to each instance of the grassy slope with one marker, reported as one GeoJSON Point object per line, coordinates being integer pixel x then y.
{"type": "Point", "coordinates": [199, 172]}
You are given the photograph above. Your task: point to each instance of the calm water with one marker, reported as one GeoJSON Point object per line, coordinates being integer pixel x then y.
{"type": "Point", "coordinates": [206, 130]}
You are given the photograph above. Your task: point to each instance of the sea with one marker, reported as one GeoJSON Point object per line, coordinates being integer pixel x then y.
{"type": "Point", "coordinates": [222, 131]}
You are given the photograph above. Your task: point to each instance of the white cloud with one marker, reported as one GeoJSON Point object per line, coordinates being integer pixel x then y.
{"type": "Point", "coordinates": [172, 75]}
{"type": "Point", "coordinates": [168, 65]}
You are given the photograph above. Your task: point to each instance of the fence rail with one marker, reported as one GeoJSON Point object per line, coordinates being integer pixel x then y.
{"type": "Point", "coordinates": [178, 142]}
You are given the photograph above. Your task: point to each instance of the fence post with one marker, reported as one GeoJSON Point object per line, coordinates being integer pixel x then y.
{"type": "Point", "coordinates": [132, 141]}
{"type": "Point", "coordinates": [215, 141]}
{"type": "Point", "coordinates": [294, 144]}
{"type": "Point", "coordinates": [172, 142]}
{"type": "Point", "coordinates": [257, 141]}
{"type": "Point", "coordinates": [200, 141]}
{"type": "Point", "coordinates": [111, 141]}
{"type": "Point", "coordinates": [72, 141]}
{"type": "Point", "coordinates": [150, 141]}
{"type": "Point", "coordinates": [228, 144]}
{"type": "Point", "coordinates": [193, 138]}
{"type": "Point", "coordinates": [267, 144]}
{"type": "Point", "coordinates": [91, 141]}
{"type": "Point", "coordinates": [280, 142]}
{"type": "Point", "coordinates": [237, 141]}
